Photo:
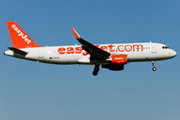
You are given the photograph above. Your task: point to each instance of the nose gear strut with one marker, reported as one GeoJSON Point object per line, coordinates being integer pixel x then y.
{"type": "Point", "coordinates": [153, 64]}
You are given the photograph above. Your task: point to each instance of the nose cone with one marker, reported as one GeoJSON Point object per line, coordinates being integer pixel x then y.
{"type": "Point", "coordinates": [173, 53]}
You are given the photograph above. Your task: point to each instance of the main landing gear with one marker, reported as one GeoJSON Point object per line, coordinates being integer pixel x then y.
{"type": "Point", "coordinates": [96, 70]}
{"type": "Point", "coordinates": [154, 68]}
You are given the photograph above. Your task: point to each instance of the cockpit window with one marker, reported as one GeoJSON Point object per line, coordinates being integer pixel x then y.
{"type": "Point", "coordinates": [165, 47]}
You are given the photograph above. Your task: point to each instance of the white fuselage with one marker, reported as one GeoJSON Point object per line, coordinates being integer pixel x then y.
{"type": "Point", "coordinates": [135, 52]}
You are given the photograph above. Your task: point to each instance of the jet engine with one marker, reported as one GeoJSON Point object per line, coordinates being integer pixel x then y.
{"type": "Point", "coordinates": [119, 59]}
{"type": "Point", "coordinates": [117, 62]}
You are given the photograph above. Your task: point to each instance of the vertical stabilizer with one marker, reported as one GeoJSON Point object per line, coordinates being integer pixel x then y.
{"type": "Point", "coordinates": [18, 37]}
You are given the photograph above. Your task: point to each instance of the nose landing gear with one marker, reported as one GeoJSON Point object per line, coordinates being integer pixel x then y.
{"type": "Point", "coordinates": [154, 68]}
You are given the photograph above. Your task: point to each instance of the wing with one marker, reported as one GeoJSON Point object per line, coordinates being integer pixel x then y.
{"type": "Point", "coordinates": [90, 48]}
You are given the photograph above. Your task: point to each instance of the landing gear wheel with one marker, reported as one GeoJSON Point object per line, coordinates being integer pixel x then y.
{"type": "Point", "coordinates": [95, 73]}
{"type": "Point", "coordinates": [96, 70]}
{"type": "Point", "coordinates": [154, 68]}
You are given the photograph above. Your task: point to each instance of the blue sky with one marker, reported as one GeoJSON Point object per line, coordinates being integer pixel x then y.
{"type": "Point", "coordinates": [30, 90]}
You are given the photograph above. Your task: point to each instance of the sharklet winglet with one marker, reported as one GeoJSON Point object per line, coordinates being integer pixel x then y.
{"type": "Point", "coordinates": [75, 33]}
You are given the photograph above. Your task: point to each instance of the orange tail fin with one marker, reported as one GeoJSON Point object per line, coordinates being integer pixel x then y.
{"type": "Point", "coordinates": [18, 37]}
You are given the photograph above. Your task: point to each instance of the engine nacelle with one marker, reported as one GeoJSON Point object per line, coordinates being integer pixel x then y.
{"type": "Point", "coordinates": [117, 62]}
{"type": "Point", "coordinates": [119, 59]}
{"type": "Point", "coordinates": [115, 67]}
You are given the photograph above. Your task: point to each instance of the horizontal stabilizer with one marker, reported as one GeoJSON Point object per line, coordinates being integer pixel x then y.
{"type": "Point", "coordinates": [17, 51]}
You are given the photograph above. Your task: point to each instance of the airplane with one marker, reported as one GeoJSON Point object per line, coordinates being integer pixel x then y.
{"type": "Point", "coordinates": [109, 56]}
